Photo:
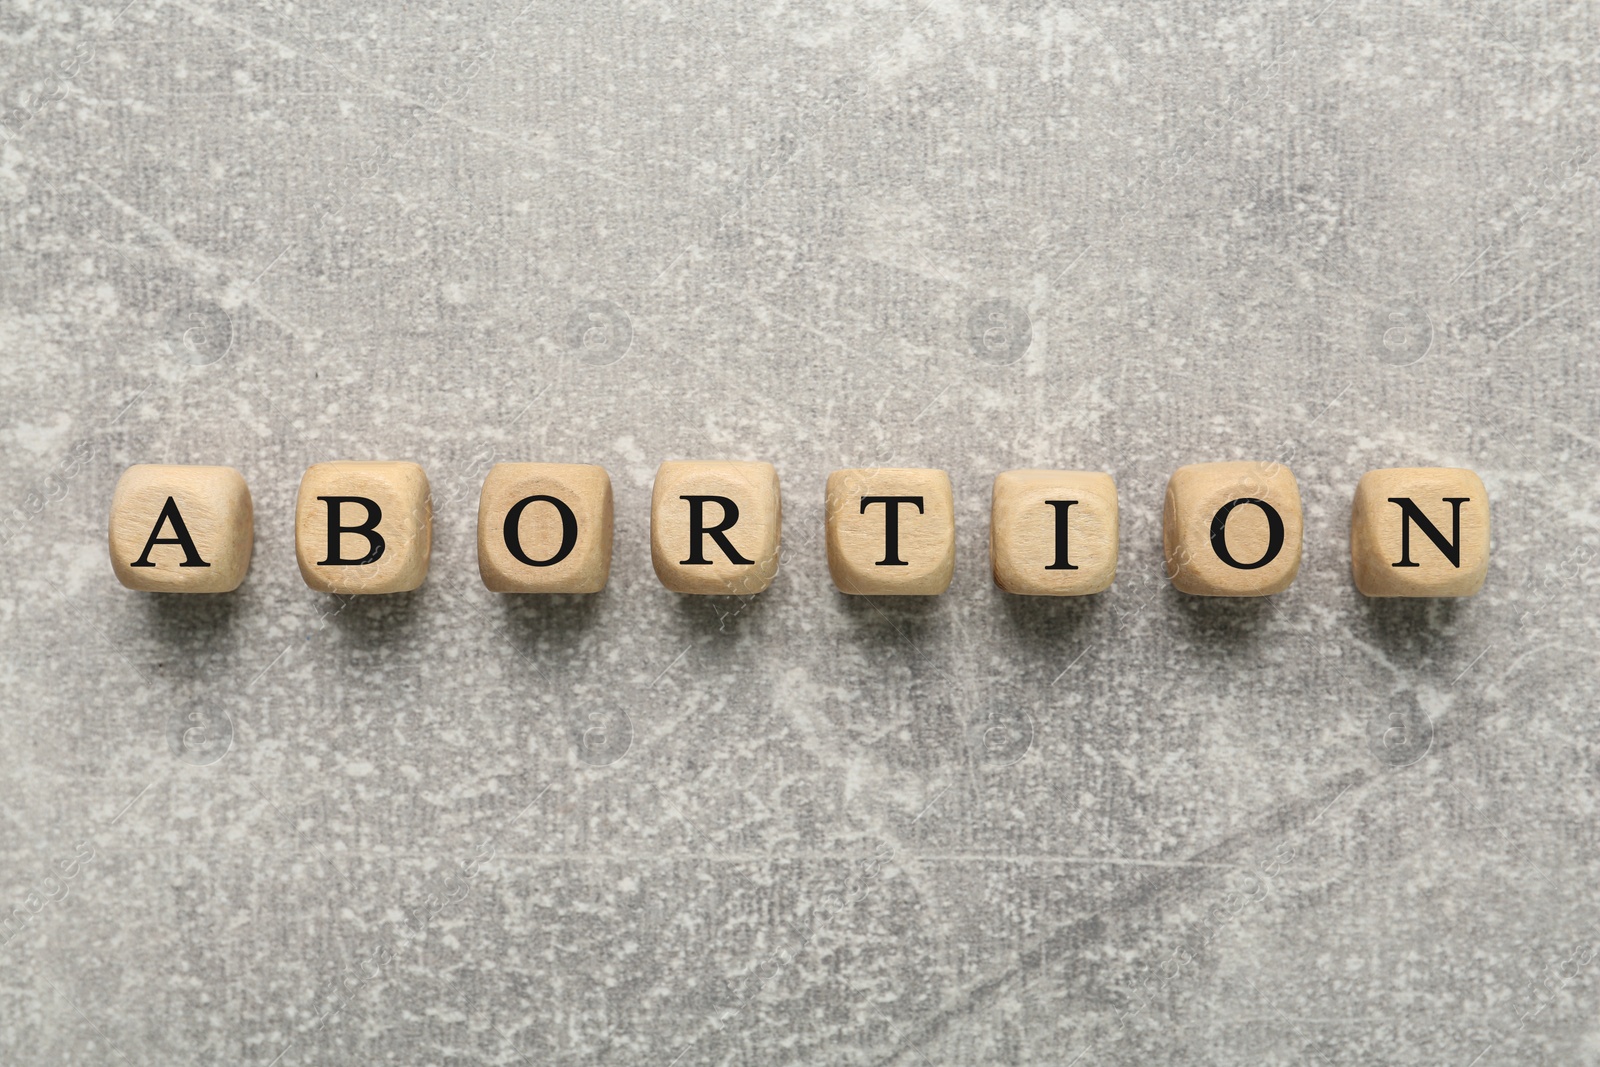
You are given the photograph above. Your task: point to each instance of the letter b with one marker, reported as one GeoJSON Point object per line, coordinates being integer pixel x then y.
{"type": "Point", "coordinates": [364, 527]}
{"type": "Point", "coordinates": [368, 528]}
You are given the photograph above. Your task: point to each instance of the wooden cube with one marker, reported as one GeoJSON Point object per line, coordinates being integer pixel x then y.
{"type": "Point", "coordinates": [1232, 529]}
{"type": "Point", "coordinates": [545, 528]}
{"type": "Point", "coordinates": [715, 526]}
{"type": "Point", "coordinates": [181, 529]}
{"type": "Point", "coordinates": [1053, 533]}
{"type": "Point", "coordinates": [891, 531]}
{"type": "Point", "coordinates": [363, 527]}
{"type": "Point", "coordinates": [1420, 532]}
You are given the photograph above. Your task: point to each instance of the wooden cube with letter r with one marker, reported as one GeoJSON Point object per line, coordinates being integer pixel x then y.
{"type": "Point", "coordinates": [715, 526]}
{"type": "Point", "coordinates": [1420, 532]}
{"type": "Point", "coordinates": [363, 527]}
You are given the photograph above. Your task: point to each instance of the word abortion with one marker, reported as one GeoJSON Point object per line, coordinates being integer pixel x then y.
{"type": "Point", "coordinates": [1229, 529]}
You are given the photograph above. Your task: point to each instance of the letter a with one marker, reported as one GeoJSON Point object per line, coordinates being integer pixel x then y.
{"type": "Point", "coordinates": [169, 513]}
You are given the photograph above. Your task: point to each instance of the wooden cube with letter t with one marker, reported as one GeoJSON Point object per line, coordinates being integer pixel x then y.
{"type": "Point", "coordinates": [715, 526]}
{"type": "Point", "coordinates": [363, 527]}
{"type": "Point", "coordinates": [891, 531]}
{"type": "Point", "coordinates": [177, 529]}
{"type": "Point", "coordinates": [545, 528]}
{"type": "Point", "coordinates": [1420, 532]}
{"type": "Point", "coordinates": [1232, 529]}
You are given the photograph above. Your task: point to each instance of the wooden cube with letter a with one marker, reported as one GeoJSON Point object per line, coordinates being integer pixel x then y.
{"type": "Point", "coordinates": [545, 528]}
{"type": "Point", "coordinates": [891, 531]}
{"type": "Point", "coordinates": [178, 529]}
{"type": "Point", "coordinates": [1420, 532]}
{"type": "Point", "coordinates": [1232, 529]}
{"type": "Point", "coordinates": [363, 527]}
{"type": "Point", "coordinates": [715, 526]}
{"type": "Point", "coordinates": [1053, 533]}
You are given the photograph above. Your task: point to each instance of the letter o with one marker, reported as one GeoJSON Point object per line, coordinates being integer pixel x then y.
{"type": "Point", "coordinates": [569, 531]}
{"type": "Point", "coordinates": [1219, 533]}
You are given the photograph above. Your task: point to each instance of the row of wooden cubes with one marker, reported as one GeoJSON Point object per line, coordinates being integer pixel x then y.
{"type": "Point", "coordinates": [1230, 529]}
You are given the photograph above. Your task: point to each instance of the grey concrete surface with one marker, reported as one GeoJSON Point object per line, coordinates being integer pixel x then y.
{"type": "Point", "coordinates": [458, 828]}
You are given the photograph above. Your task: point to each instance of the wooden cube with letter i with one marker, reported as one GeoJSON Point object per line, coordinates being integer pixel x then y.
{"type": "Point", "coordinates": [1053, 533]}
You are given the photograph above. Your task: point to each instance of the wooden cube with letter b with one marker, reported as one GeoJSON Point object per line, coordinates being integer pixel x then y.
{"type": "Point", "coordinates": [891, 531]}
{"type": "Point", "coordinates": [363, 527]}
{"type": "Point", "coordinates": [1398, 540]}
{"type": "Point", "coordinates": [1053, 533]}
{"type": "Point", "coordinates": [1232, 529]}
{"type": "Point", "coordinates": [179, 529]}
{"type": "Point", "coordinates": [545, 528]}
{"type": "Point", "coordinates": [715, 526]}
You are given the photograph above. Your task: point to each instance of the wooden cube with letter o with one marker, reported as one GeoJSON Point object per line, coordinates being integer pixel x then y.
{"type": "Point", "coordinates": [1232, 529]}
{"type": "Point", "coordinates": [545, 528]}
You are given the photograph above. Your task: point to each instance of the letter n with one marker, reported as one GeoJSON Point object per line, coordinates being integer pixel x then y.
{"type": "Point", "coordinates": [1410, 513]}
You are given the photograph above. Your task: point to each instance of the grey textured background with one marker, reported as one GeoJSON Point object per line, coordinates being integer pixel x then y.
{"type": "Point", "coordinates": [453, 827]}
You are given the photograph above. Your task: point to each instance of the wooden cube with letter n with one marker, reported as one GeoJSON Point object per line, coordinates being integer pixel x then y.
{"type": "Point", "coordinates": [1420, 532]}
{"type": "Point", "coordinates": [1232, 529]}
{"type": "Point", "coordinates": [891, 531]}
{"type": "Point", "coordinates": [545, 528]}
{"type": "Point", "coordinates": [715, 526]}
{"type": "Point", "coordinates": [178, 529]}
{"type": "Point", "coordinates": [363, 527]}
